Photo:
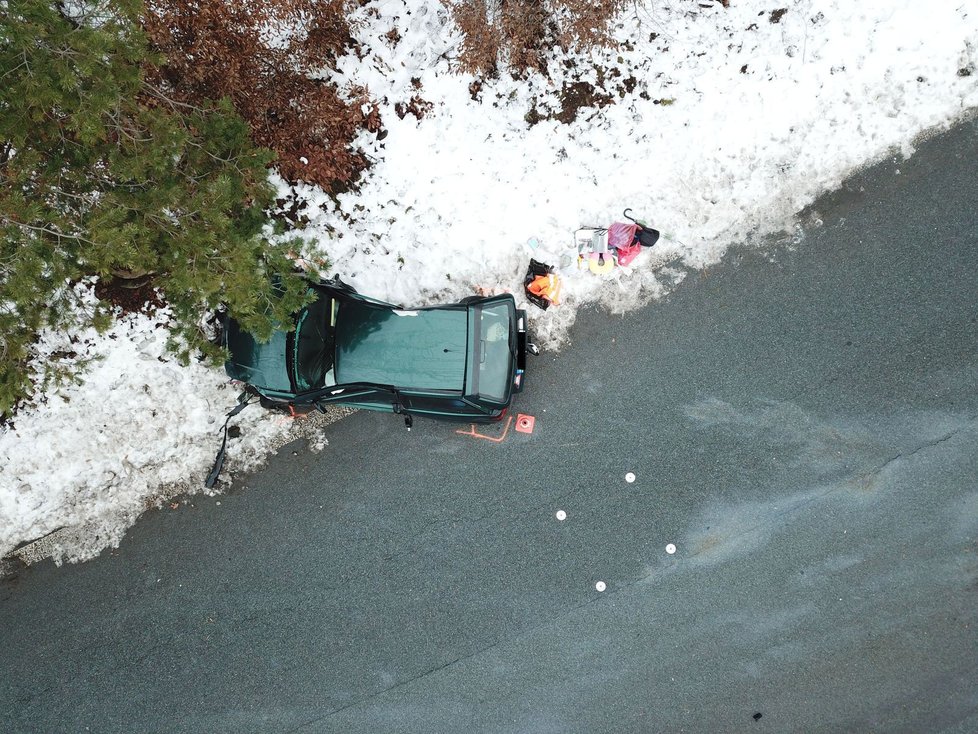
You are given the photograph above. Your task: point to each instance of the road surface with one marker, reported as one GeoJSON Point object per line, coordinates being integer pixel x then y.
{"type": "Point", "coordinates": [802, 426]}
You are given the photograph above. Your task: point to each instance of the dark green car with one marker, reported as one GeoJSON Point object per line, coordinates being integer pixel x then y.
{"type": "Point", "coordinates": [461, 361]}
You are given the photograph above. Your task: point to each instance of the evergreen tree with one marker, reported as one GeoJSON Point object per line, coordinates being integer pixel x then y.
{"type": "Point", "coordinates": [101, 173]}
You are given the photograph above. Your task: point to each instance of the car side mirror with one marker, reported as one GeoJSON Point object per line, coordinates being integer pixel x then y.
{"type": "Point", "coordinates": [398, 408]}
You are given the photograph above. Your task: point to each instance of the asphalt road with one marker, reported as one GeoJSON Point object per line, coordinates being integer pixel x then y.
{"type": "Point", "coordinates": [802, 425]}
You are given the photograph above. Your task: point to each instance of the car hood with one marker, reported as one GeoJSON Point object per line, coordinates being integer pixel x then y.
{"type": "Point", "coordinates": [261, 365]}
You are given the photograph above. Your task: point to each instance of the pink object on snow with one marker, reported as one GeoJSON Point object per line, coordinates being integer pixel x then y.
{"type": "Point", "coordinates": [627, 254]}
{"type": "Point", "coordinates": [621, 237]}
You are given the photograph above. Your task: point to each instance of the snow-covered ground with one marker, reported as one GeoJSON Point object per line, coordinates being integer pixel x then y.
{"type": "Point", "coordinates": [725, 123]}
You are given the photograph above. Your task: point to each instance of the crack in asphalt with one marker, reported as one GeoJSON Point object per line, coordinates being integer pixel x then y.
{"type": "Point", "coordinates": [439, 668]}
{"type": "Point", "coordinates": [475, 653]}
{"type": "Point", "coordinates": [625, 586]}
{"type": "Point", "coordinates": [421, 541]}
{"type": "Point", "coordinates": [423, 536]}
{"type": "Point", "coordinates": [971, 423]}
{"type": "Point", "coordinates": [931, 444]}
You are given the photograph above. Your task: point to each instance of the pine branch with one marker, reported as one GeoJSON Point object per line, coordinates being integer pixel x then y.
{"type": "Point", "coordinates": [48, 231]}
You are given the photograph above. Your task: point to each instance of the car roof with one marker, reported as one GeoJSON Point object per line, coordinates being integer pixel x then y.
{"type": "Point", "coordinates": [423, 349]}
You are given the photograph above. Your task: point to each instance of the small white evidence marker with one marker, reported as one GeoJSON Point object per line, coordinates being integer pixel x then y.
{"type": "Point", "coordinates": [670, 549]}
{"type": "Point", "coordinates": [630, 477]}
{"type": "Point", "coordinates": [600, 586]}
{"type": "Point", "coordinates": [561, 515]}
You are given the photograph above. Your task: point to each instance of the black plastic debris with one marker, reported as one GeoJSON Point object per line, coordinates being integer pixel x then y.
{"type": "Point", "coordinates": [535, 270]}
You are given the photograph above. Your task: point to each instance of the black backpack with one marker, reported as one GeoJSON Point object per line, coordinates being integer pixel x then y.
{"type": "Point", "coordinates": [645, 236]}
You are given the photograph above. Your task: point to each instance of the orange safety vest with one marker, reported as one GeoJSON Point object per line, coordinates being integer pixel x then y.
{"type": "Point", "coordinates": [546, 286]}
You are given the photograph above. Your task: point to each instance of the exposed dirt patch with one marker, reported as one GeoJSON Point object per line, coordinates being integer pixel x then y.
{"type": "Point", "coordinates": [578, 96]}
{"type": "Point", "coordinates": [575, 98]}
{"type": "Point", "coordinates": [136, 295]}
{"type": "Point", "coordinates": [533, 117]}
{"type": "Point", "coordinates": [416, 106]}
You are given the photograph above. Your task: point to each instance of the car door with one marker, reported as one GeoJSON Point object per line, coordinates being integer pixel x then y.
{"type": "Point", "coordinates": [447, 405]}
{"type": "Point", "coordinates": [361, 397]}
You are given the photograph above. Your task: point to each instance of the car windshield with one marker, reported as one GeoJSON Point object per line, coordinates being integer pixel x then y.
{"type": "Point", "coordinates": [492, 352]}
{"type": "Point", "coordinates": [314, 344]}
